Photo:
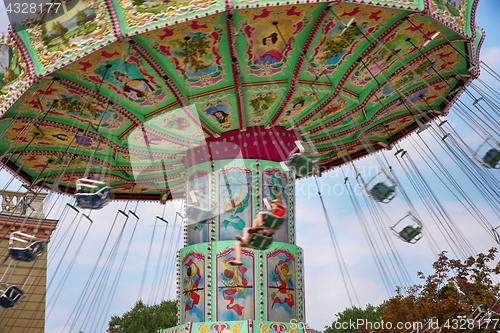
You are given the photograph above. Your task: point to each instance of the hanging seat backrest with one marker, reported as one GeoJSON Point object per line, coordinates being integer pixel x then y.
{"type": "Point", "coordinates": [197, 214]}
{"type": "Point", "coordinates": [478, 317]}
{"type": "Point", "coordinates": [10, 296]}
{"type": "Point", "coordinates": [492, 158]}
{"type": "Point", "coordinates": [260, 242]}
{"type": "Point", "coordinates": [381, 191]}
{"type": "Point", "coordinates": [94, 200]}
{"type": "Point", "coordinates": [299, 163]}
{"type": "Point", "coordinates": [271, 221]}
{"type": "Point", "coordinates": [409, 233]}
{"type": "Point", "coordinates": [495, 307]}
{"type": "Point", "coordinates": [27, 253]}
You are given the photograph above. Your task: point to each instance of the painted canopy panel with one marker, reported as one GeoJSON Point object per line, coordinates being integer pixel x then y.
{"type": "Point", "coordinates": [125, 90]}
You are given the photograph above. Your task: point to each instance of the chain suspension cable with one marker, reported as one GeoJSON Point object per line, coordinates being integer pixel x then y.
{"type": "Point", "coordinates": [338, 253]}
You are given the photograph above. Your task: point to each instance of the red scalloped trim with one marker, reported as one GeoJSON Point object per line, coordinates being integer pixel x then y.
{"type": "Point", "coordinates": [113, 15]}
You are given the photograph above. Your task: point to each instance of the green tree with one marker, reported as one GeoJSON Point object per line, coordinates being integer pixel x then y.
{"type": "Point", "coordinates": [347, 320]}
{"type": "Point", "coordinates": [81, 18]}
{"type": "Point", "coordinates": [59, 29]}
{"type": "Point", "coordinates": [450, 296]}
{"type": "Point", "coordinates": [143, 318]}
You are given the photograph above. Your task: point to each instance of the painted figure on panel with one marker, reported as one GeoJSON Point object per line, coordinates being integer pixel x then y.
{"type": "Point", "coordinates": [271, 55]}
{"type": "Point", "coordinates": [235, 286]}
{"type": "Point", "coordinates": [128, 78]}
{"type": "Point", "coordinates": [283, 276]}
{"type": "Point", "coordinates": [234, 201]}
{"type": "Point", "coordinates": [193, 287]}
{"type": "Point", "coordinates": [220, 112]}
{"type": "Point", "coordinates": [141, 86]}
{"type": "Point", "coordinates": [269, 33]}
{"type": "Point", "coordinates": [296, 108]}
{"type": "Point", "coordinates": [282, 289]}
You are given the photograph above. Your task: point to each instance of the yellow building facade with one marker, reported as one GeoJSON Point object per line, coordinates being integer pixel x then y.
{"type": "Point", "coordinates": [23, 212]}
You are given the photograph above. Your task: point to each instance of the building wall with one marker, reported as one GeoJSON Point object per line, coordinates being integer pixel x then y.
{"type": "Point", "coordinates": [28, 314]}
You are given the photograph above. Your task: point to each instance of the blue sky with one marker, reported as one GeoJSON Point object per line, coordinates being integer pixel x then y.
{"type": "Point", "coordinates": [325, 293]}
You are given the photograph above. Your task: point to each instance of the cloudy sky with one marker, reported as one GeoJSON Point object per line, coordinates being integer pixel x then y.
{"type": "Point", "coordinates": [325, 291]}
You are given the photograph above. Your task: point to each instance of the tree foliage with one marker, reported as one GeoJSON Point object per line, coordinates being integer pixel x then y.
{"type": "Point", "coordinates": [347, 320]}
{"type": "Point", "coordinates": [449, 299]}
{"type": "Point", "coordinates": [143, 318]}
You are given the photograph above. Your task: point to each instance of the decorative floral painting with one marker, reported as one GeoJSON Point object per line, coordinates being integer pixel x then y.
{"type": "Point", "coordinates": [342, 32]}
{"type": "Point", "coordinates": [193, 49]}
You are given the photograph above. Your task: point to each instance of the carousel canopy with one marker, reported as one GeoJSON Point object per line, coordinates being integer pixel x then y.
{"type": "Point", "coordinates": [133, 92]}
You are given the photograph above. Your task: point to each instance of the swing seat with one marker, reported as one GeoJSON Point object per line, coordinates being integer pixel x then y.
{"type": "Point", "coordinates": [271, 221]}
{"type": "Point", "coordinates": [95, 200]}
{"type": "Point", "coordinates": [479, 320]}
{"type": "Point", "coordinates": [302, 165]}
{"type": "Point", "coordinates": [260, 242]}
{"type": "Point", "coordinates": [10, 296]}
{"type": "Point", "coordinates": [495, 308]}
{"type": "Point", "coordinates": [410, 234]}
{"type": "Point", "coordinates": [27, 254]}
{"type": "Point", "coordinates": [492, 158]}
{"type": "Point", "coordinates": [199, 215]}
{"type": "Point", "coordinates": [383, 193]}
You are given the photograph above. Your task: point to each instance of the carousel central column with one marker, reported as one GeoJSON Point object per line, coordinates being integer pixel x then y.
{"type": "Point", "coordinates": [232, 175]}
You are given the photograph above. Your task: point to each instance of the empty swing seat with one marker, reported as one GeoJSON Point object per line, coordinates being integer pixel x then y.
{"type": "Point", "coordinates": [382, 193]}
{"type": "Point", "coordinates": [10, 296]}
{"type": "Point", "coordinates": [199, 215]}
{"type": "Point", "coordinates": [29, 253]}
{"type": "Point", "coordinates": [301, 165]}
{"type": "Point", "coordinates": [492, 158]}
{"type": "Point", "coordinates": [95, 200]}
{"type": "Point", "coordinates": [410, 233]}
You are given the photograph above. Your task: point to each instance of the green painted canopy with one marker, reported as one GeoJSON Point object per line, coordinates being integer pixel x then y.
{"type": "Point", "coordinates": [125, 90]}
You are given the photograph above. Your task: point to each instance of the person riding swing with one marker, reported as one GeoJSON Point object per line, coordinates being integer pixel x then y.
{"type": "Point", "coordinates": [259, 228]}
